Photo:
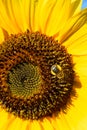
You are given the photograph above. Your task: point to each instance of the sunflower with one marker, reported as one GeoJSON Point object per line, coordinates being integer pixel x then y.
{"type": "Point", "coordinates": [43, 65]}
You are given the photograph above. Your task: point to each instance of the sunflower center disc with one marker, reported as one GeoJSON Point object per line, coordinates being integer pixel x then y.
{"type": "Point", "coordinates": [36, 76]}
{"type": "Point", "coordinates": [24, 79]}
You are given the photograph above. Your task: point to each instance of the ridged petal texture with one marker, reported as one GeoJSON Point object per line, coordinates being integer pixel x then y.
{"type": "Point", "coordinates": [63, 20]}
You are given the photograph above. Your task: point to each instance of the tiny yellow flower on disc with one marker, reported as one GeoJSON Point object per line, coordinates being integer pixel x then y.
{"type": "Point", "coordinates": [36, 76]}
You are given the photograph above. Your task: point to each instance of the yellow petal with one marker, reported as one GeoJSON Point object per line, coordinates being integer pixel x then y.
{"type": "Point", "coordinates": [31, 12]}
{"type": "Point", "coordinates": [13, 124]}
{"type": "Point", "coordinates": [46, 124]}
{"type": "Point", "coordinates": [24, 124]}
{"type": "Point", "coordinates": [1, 36]}
{"type": "Point", "coordinates": [3, 118]}
{"type": "Point", "coordinates": [76, 6]}
{"type": "Point", "coordinates": [48, 18]}
{"type": "Point", "coordinates": [44, 8]}
{"type": "Point", "coordinates": [77, 114]}
{"type": "Point", "coordinates": [77, 43]}
{"type": "Point", "coordinates": [51, 23]}
{"type": "Point", "coordinates": [78, 111]}
{"type": "Point", "coordinates": [80, 65]}
{"type": "Point", "coordinates": [17, 11]}
{"type": "Point", "coordinates": [62, 122]}
{"type": "Point", "coordinates": [7, 21]}
{"type": "Point", "coordinates": [72, 26]}
{"type": "Point", "coordinates": [34, 125]}
{"type": "Point", "coordinates": [82, 125]}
